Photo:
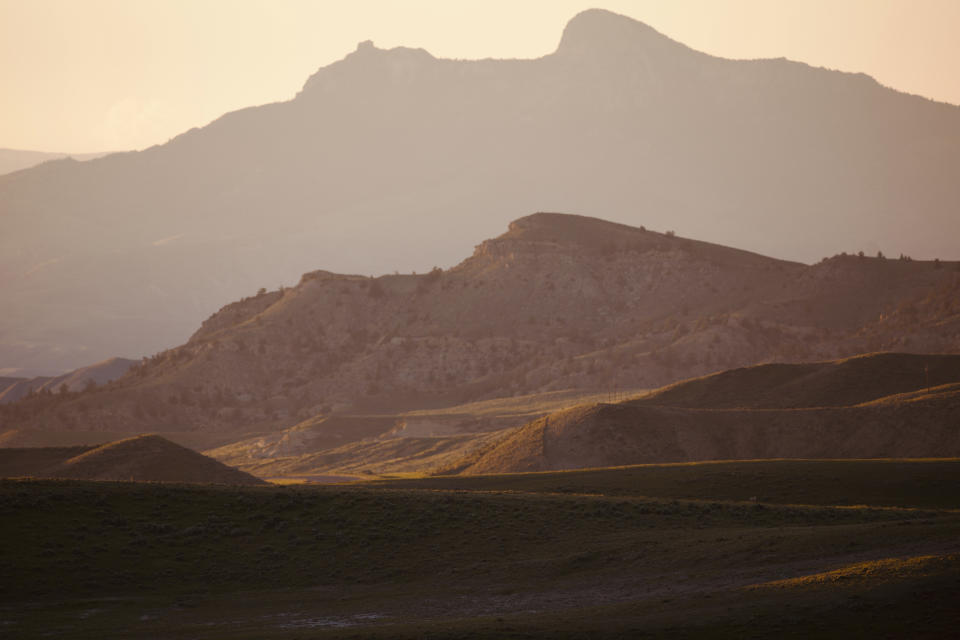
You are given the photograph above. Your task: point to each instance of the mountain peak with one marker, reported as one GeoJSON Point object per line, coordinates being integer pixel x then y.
{"type": "Point", "coordinates": [368, 66]}
{"type": "Point", "coordinates": [564, 225]}
{"type": "Point", "coordinates": [567, 231]}
{"type": "Point", "coordinates": [597, 31]}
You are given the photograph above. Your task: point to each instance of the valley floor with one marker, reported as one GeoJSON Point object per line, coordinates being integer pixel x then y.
{"type": "Point", "coordinates": [600, 553]}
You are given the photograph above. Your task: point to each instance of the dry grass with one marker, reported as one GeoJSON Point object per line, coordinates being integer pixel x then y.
{"type": "Point", "coordinates": [535, 555]}
{"type": "Point", "coordinates": [927, 483]}
{"type": "Point", "coordinates": [871, 572]}
{"type": "Point", "coordinates": [526, 406]}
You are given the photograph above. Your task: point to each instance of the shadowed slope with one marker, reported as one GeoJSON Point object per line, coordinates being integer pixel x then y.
{"type": "Point", "coordinates": [614, 435]}
{"type": "Point", "coordinates": [141, 459]}
{"type": "Point", "coordinates": [18, 462]}
{"type": "Point", "coordinates": [837, 383]}
{"type": "Point", "coordinates": [821, 410]}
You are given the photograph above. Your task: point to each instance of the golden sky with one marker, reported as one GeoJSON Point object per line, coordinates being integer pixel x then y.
{"type": "Point", "coordinates": [93, 75]}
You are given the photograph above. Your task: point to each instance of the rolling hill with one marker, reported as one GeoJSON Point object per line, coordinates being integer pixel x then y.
{"type": "Point", "coordinates": [839, 383]}
{"type": "Point", "coordinates": [873, 406]}
{"type": "Point", "coordinates": [140, 459]}
{"type": "Point", "coordinates": [394, 159]}
{"type": "Point", "coordinates": [821, 410]}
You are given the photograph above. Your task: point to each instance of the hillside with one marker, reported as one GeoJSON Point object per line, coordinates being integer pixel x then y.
{"type": "Point", "coordinates": [384, 455]}
{"type": "Point", "coordinates": [17, 462]}
{"type": "Point", "coordinates": [743, 414]}
{"type": "Point", "coordinates": [397, 160]}
{"type": "Point", "coordinates": [558, 303]}
{"type": "Point", "coordinates": [418, 441]}
{"type": "Point", "coordinates": [13, 389]}
{"type": "Point", "coordinates": [887, 411]}
{"type": "Point", "coordinates": [138, 459]}
{"type": "Point", "coordinates": [838, 383]}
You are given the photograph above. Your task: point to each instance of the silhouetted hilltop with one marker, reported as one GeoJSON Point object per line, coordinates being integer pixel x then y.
{"type": "Point", "coordinates": [141, 459]}
{"type": "Point", "coordinates": [394, 159]}
{"type": "Point", "coordinates": [600, 33]}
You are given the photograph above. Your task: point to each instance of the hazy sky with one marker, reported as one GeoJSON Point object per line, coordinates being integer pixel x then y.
{"type": "Point", "coordinates": [90, 75]}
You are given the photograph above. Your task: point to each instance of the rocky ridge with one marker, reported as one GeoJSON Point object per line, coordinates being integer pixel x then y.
{"type": "Point", "coordinates": [557, 302]}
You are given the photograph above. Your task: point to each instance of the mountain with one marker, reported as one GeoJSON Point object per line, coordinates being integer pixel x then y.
{"type": "Point", "coordinates": [15, 159]}
{"type": "Point", "coordinates": [12, 389]}
{"type": "Point", "coordinates": [394, 159]}
{"type": "Point", "coordinates": [141, 459]}
{"type": "Point", "coordinates": [557, 303]}
{"type": "Point", "coordinates": [694, 421]}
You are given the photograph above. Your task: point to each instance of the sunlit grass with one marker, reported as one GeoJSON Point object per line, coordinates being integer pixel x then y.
{"type": "Point", "coordinates": [872, 571]}
{"type": "Point", "coordinates": [531, 405]}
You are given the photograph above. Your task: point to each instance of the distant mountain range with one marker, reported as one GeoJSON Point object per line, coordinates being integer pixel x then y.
{"type": "Point", "coordinates": [15, 159]}
{"type": "Point", "coordinates": [394, 159]}
{"type": "Point", "coordinates": [14, 388]}
{"type": "Point", "coordinates": [557, 303]}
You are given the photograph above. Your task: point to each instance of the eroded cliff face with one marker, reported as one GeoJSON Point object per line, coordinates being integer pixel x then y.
{"type": "Point", "coordinates": [557, 302]}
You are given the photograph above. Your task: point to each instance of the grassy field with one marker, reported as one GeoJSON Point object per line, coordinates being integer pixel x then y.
{"type": "Point", "coordinates": [580, 554]}
{"type": "Point", "coordinates": [933, 483]}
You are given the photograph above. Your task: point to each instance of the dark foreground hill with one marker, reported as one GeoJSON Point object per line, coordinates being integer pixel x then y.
{"type": "Point", "coordinates": [394, 159]}
{"type": "Point", "coordinates": [822, 410]}
{"type": "Point", "coordinates": [139, 459]}
{"type": "Point", "coordinates": [528, 557]}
